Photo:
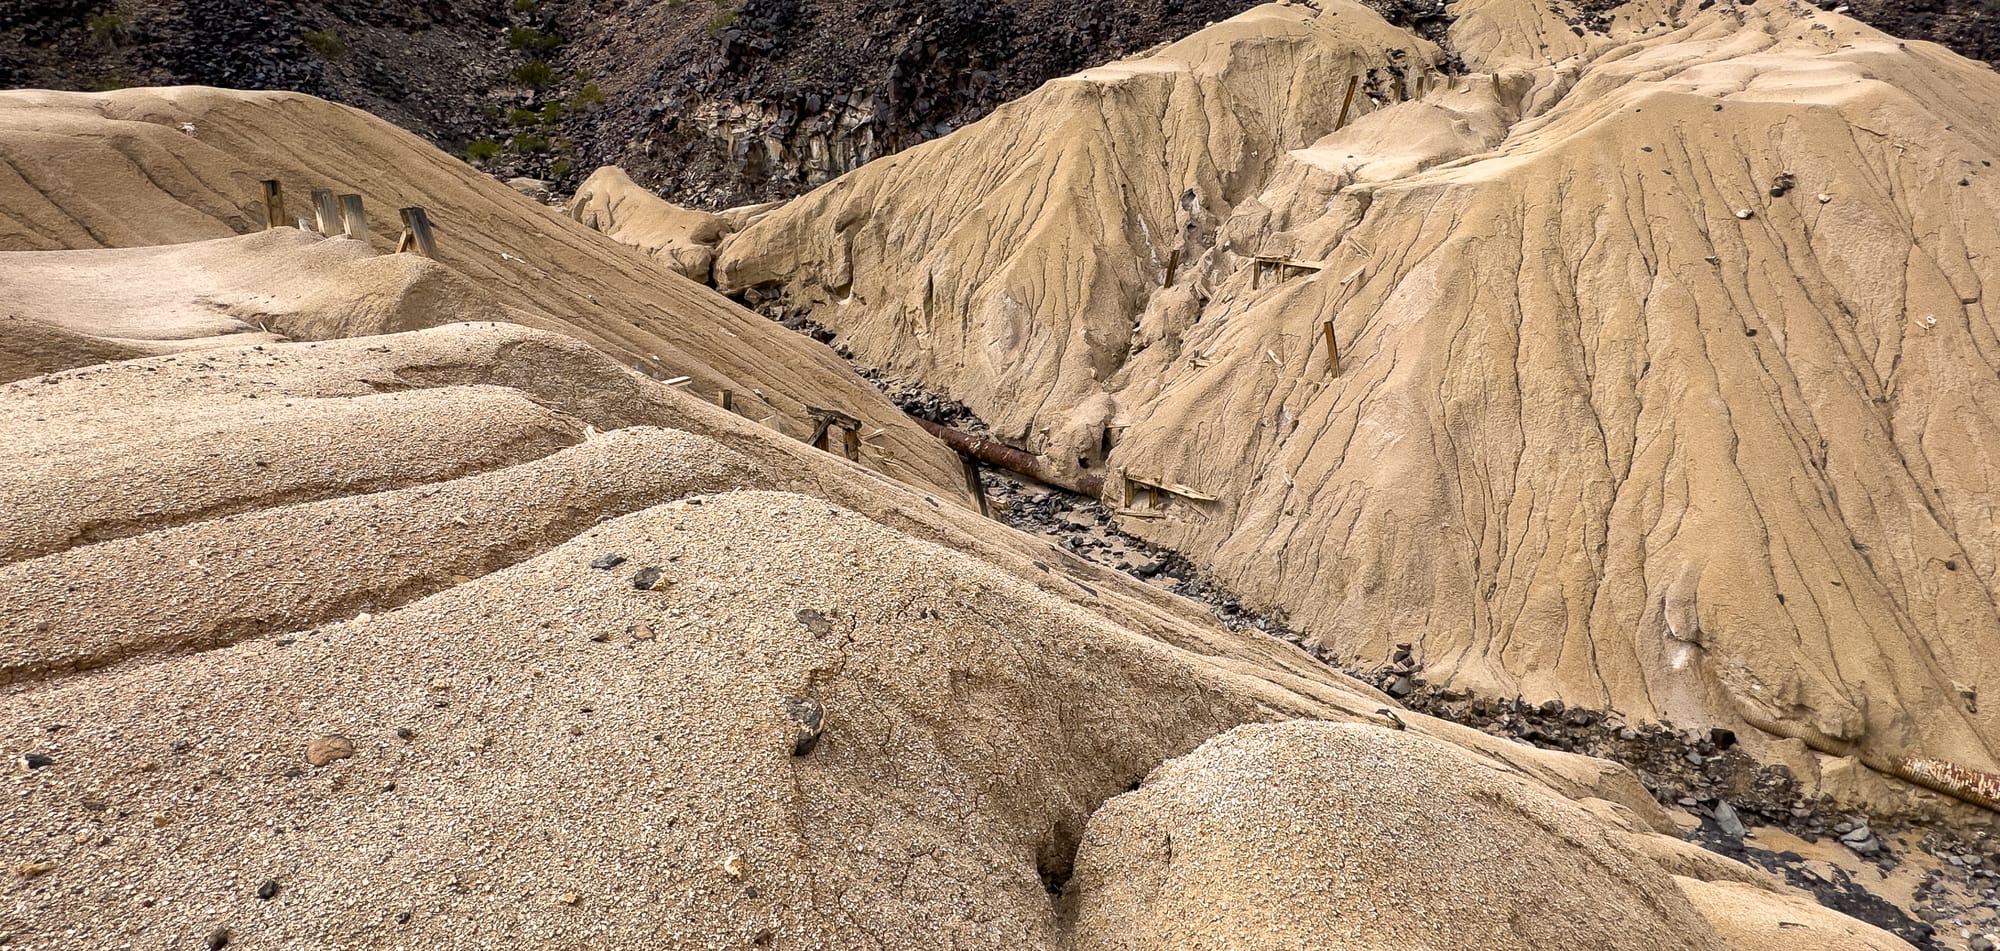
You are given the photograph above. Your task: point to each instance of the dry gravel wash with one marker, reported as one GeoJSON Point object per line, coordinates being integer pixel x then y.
{"type": "Point", "coordinates": [1667, 386]}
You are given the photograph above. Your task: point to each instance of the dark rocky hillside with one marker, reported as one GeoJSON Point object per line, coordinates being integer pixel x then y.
{"type": "Point", "coordinates": [712, 102]}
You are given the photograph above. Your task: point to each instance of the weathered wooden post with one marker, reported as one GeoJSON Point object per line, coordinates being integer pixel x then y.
{"type": "Point", "coordinates": [971, 466]}
{"type": "Point", "coordinates": [850, 443]}
{"type": "Point", "coordinates": [353, 221]}
{"type": "Point", "coordinates": [274, 204]}
{"type": "Point", "coordinates": [1173, 264]}
{"type": "Point", "coordinates": [728, 399]}
{"type": "Point", "coordinates": [417, 228]}
{"type": "Point", "coordinates": [326, 211]}
{"type": "Point", "coordinates": [1332, 350]}
{"type": "Point", "coordinates": [1353, 83]}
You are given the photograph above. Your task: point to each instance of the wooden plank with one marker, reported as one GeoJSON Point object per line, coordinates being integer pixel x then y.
{"type": "Point", "coordinates": [274, 204]}
{"type": "Point", "coordinates": [850, 443]}
{"type": "Point", "coordinates": [418, 222]}
{"type": "Point", "coordinates": [353, 221]}
{"type": "Point", "coordinates": [1353, 83]}
{"type": "Point", "coordinates": [728, 400]}
{"type": "Point", "coordinates": [326, 211]}
{"type": "Point", "coordinates": [1173, 264]}
{"type": "Point", "coordinates": [1189, 493]}
{"type": "Point", "coordinates": [1130, 512]}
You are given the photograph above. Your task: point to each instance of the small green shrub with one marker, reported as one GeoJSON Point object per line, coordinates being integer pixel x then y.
{"type": "Point", "coordinates": [522, 118]}
{"type": "Point", "coordinates": [481, 151]}
{"type": "Point", "coordinates": [586, 97]}
{"type": "Point", "coordinates": [523, 6]}
{"type": "Point", "coordinates": [535, 74]}
{"type": "Point", "coordinates": [533, 42]}
{"type": "Point", "coordinates": [110, 28]}
{"type": "Point", "coordinates": [721, 21]}
{"type": "Point", "coordinates": [326, 44]}
{"type": "Point", "coordinates": [529, 143]}
{"type": "Point", "coordinates": [561, 166]}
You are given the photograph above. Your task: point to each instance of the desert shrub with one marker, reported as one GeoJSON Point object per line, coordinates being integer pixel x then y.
{"type": "Point", "coordinates": [326, 44]}
{"type": "Point", "coordinates": [535, 74]}
{"type": "Point", "coordinates": [481, 151]}
{"type": "Point", "coordinates": [110, 28]}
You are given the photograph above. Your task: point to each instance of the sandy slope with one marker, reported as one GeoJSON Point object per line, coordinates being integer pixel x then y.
{"type": "Point", "coordinates": [1667, 385]}
{"type": "Point", "coordinates": [122, 171]}
{"type": "Point", "coordinates": [553, 747]}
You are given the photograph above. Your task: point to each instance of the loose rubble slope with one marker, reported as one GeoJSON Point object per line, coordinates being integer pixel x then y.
{"type": "Point", "coordinates": [1666, 382]}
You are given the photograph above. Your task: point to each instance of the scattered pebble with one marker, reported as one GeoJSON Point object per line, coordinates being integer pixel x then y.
{"type": "Point", "coordinates": [815, 622]}
{"type": "Point", "coordinates": [326, 749]}
{"type": "Point", "coordinates": [218, 939]}
{"type": "Point", "coordinates": [807, 714]}
{"type": "Point", "coordinates": [34, 869]}
{"type": "Point", "coordinates": [36, 761]}
{"type": "Point", "coordinates": [733, 866]}
{"type": "Point", "coordinates": [647, 579]}
{"type": "Point", "coordinates": [268, 890]}
{"type": "Point", "coordinates": [607, 561]}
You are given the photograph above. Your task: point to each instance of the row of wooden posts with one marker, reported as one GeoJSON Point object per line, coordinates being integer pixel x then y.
{"type": "Point", "coordinates": [344, 214]}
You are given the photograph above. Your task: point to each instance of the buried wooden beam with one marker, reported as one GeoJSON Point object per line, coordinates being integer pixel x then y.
{"type": "Point", "coordinates": [1353, 83]}
{"type": "Point", "coordinates": [274, 204]}
{"type": "Point", "coordinates": [850, 444]}
{"type": "Point", "coordinates": [326, 211]}
{"type": "Point", "coordinates": [728, 400]}
{"type": "Point", "coordinates": [1332, 350]}
{"type": "Point", "coordinates": [417, 226]}
{"type": "Point", "coordinates": [1173, 264]}
{"type": "Point", "coordinates": [353, 221]}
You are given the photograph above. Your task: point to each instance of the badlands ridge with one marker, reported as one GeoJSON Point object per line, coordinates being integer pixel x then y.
{"type": "Point", "coordinates": [364, 599]}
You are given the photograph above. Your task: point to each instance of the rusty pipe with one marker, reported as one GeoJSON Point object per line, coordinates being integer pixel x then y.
{"type": "Point", "coordinates": [1020, 462]}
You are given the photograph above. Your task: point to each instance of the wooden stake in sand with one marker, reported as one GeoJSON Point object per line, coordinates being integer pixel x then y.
{"type": "Point", "coordinates": [326, 211]}
{"type": "Point", "coordinates": [728, 400]}
{"type": "Point", "coordinates": [1173, 264]}
{"type": "Point", "coordinates": [274, 204]}
{"type": "Point", "coordinates": [353, 221]}
{"type": "Point", "coordinates": [1353, 83]}
{"type": "Point", "coordinates": [971, 466]}
{"type": "Point", "coordinates": [1332, 350]}
{"type": "Point", "coordinates": [417, 232]}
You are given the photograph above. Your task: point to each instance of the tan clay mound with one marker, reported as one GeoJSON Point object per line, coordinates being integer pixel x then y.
{"type": "Point", "coordinates": [1410, 845]}
{"type": "Point", "coordinates": [683, 239]}
{"type": "Point", "coordinates": [30, 347]}
{"type": "Point", "coordinates": [1754, 919]}
{"type": "Point", "coordinates": [775, 722]}
{"type": "Point", "coordinates": [1666, 386]}
{"type": "Point", "coordinates": [143, 167]}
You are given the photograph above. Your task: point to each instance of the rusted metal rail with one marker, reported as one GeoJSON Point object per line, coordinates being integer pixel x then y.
{"type": "Point", "coordinates": [1021, 462]}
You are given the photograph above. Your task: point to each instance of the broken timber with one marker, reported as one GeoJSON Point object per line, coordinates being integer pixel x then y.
{"type": "Point", "coordinates": [1332, 350]}
{"type": "Point", "coordinates": [825, 421]}
{"type": "Point", "coordinates": [326, 211]}
{"type": "Point", "coordinates": [1154, 509]}
{"type": "Point", "coordinates": [353, 221]}
{"type": "Point", "coordinates": [417, 232]}
{"type": "Point", "coordinates": [274, 203]}
{"type": "Point", "coordinates": [1353, 82]}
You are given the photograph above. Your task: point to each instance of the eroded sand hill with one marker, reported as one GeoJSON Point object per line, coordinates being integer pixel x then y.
{"type": "Point", "coordinates": [134, 169]}
{"type": "Point", "coordinates": [1667, 385]}
{"type": "Point", "coordinates": [618, 667]}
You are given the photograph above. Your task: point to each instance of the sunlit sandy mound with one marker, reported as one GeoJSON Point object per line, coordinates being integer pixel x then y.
{"type": "Point", "coordinates": [1216, 851]}
{"type": "Point", "coordinates": [144, 167]}
{"type": "Point", "coordinates": [683, 239]}
{"type": "Point", "coordinates": [1667, 385]}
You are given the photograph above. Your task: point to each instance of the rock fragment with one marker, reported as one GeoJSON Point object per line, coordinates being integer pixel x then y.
{"type": "Point", "coordinates": [607, 561]}
{"type": "Point", "coordinates": [809, 718]}
{"type": "Point", "coordinates": [326, 749]}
